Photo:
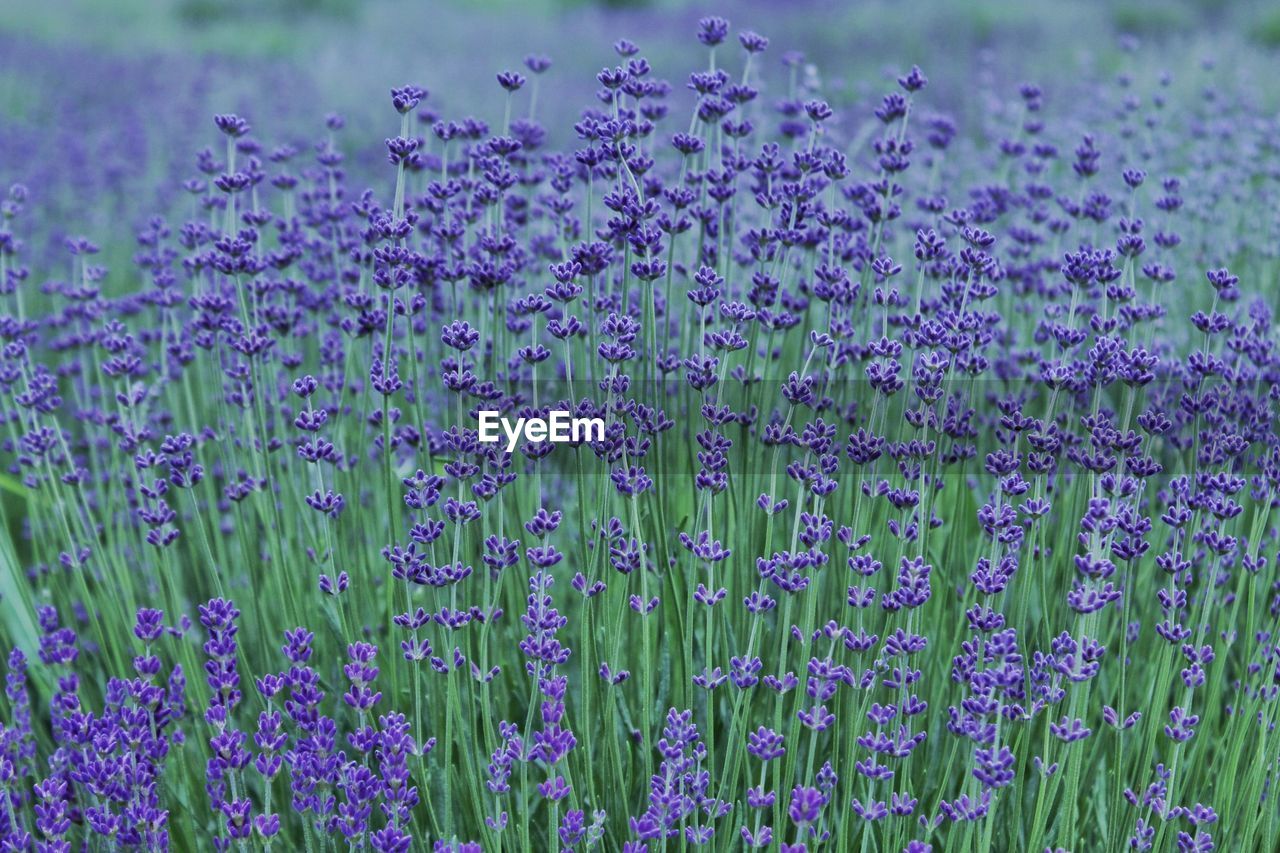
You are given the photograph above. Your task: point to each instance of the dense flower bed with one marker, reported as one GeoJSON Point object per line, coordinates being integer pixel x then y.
{"type": "Point", "coordinates": [933, 509]}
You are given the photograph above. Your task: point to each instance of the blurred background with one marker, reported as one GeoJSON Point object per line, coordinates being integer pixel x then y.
{"type": "Point", "coordinates": [110, 100]}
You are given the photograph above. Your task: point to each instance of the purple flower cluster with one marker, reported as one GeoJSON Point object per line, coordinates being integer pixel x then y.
{"type": "Point", "coordinates": [878, 390]}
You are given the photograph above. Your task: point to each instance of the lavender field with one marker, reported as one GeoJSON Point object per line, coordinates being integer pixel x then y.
{"type": "Point", "coordinates": [936, 369]}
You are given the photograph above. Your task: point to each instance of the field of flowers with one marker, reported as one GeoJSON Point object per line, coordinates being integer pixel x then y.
{"type": "Point", "coordinates": [933, 509]}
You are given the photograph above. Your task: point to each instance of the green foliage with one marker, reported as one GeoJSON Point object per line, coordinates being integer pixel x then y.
{"type": "Point", "coordinates": [1151, 19]}
{"type": "Point", "coordinates": [1266, 29]}
{"type": "Point", "coordinates": [205, 12]}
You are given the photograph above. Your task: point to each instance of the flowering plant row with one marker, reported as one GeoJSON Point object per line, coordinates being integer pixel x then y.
{"type": "Point", "coordinates": [926, 504]}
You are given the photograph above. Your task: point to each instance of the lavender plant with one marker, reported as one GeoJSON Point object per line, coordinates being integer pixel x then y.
{"type": "Point", "coordinates": [932, 507]}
